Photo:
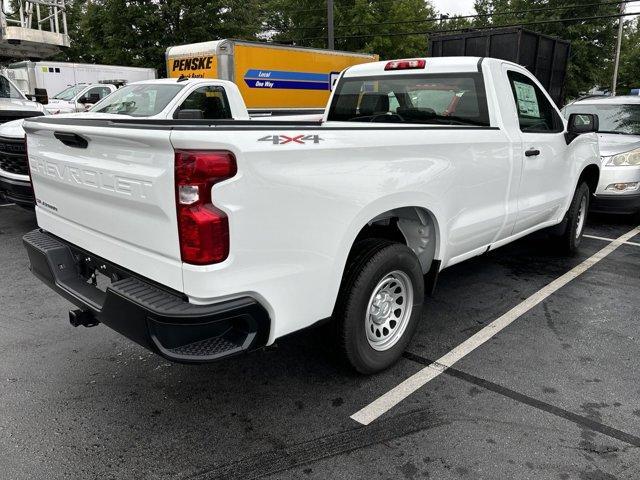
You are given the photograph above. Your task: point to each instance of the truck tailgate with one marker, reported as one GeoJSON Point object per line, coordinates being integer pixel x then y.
{"type": "Point", "coordinates": [109, 191]}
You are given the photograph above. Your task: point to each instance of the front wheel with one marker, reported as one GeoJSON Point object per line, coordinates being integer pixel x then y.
{"type": "Point", "coordinates": [575, 220]}
{"type": "Point", "coordinates": [379, 304]}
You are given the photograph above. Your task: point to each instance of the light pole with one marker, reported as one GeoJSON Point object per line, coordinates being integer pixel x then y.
{"type": "Point", "coordinates": [330, 34]}
{"type": "Point", "coordinates": [616, 63]}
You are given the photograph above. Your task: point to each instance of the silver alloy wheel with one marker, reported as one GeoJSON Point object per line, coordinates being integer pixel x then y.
{"type": "Point", "coordinates": [389, 310]}
{"type": "Point", "coordinates": [582, 216]}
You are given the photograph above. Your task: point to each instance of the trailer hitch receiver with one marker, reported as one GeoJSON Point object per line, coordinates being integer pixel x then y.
{"type": "Point", "coordinates": [82, 317]}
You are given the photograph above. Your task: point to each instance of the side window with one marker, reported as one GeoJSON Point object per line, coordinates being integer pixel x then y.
{"type": "Point", "coordinates": [535, 112]}
{"type": "Point", "coordinates": [96, 94]}
{"type": "Point", "coordinates": [210, 100]}
{"type": "Point", "coordinates": [7, 90]}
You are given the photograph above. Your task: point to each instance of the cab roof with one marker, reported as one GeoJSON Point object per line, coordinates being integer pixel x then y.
{"type": "Point", "coordinates": [433, 65]}
{"type": "Point", "coordinates": [617, 100]}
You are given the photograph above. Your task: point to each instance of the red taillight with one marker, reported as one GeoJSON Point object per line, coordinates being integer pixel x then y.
{"type": "Point", "coordinates": [202, 228]}
{"type": "Point", "coordinates": [405, 64]}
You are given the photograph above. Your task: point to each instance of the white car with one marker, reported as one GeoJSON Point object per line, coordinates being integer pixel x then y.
{"type": "Point", "coordinates": [79, 97]}
{"type": "Point", "coordinates": [619, 133]}
{"type": "Point", "coordinates": [200, 239]}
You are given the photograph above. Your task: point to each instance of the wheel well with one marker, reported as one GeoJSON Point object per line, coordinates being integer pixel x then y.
{"type": "Point", "coordinates": [591, 175]}
{"type": "Point", "coordinates": [412, 226]}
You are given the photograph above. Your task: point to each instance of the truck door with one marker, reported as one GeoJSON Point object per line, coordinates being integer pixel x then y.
{"type": "Point", "coordinates": [545, 171]}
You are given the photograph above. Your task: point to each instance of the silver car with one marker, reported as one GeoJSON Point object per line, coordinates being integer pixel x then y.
{"type": "Point", "coordinates": [619, 187]}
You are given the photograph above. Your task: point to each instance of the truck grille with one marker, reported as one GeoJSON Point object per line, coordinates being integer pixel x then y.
{"type": "Point", "coordinates": [13, 156]}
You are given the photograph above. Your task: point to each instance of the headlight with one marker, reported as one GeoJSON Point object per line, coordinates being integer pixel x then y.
{"type": "Point", "coordinates": [627, 159]}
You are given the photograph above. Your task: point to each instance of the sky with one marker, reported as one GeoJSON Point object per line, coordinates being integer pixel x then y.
{"type": "Point", "coordinates": [454, 7]}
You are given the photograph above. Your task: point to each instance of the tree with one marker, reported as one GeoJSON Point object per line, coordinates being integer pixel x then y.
{"type": "Point", "coordinates": [138, 32]}
{"type": "Point", "coordinates": [361, 25]}
{"type": "Point", "coordinates": [629, 73]}
{"type": "Point", "coordinates": [592, 41]}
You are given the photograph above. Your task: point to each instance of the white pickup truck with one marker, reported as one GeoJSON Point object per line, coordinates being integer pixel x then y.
{"type": "Point", "coordinates": [200, 239]}
{"type": "Point", "coordinates": [158, 99]}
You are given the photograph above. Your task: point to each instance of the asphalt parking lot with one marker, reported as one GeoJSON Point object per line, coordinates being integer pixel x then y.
{"type": "Point", "coordinates": [552, 396]}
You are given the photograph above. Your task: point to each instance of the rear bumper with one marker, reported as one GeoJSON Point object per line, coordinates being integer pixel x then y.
{"type": "Point", "coordinates": [17, 191]}
{"type": "Point", "coordinates": [616, 204]}
{"type": "Point", "coordinates": [160, 320]}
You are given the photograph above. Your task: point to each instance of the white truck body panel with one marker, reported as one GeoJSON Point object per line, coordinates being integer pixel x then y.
{"type": "Point", "coordinates": [294, 208]}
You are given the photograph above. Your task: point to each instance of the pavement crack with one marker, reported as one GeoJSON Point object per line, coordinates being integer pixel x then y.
{"type": "Point", "coordinates": [291, 456]}
{"type": "Point", "coordinates": [583, 422]}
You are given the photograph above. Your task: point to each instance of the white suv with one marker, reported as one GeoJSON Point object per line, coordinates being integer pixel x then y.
{"type": "Point", "coordinates": [619, 134]}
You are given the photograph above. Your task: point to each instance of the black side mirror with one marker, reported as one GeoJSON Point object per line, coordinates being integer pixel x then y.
{"type": "Point", "coordinates": [189, 114]}
{"type": "Point", "coordinates": [94, 98]}
{"type": "Point", "coordinates": [83, 99]}
{"type": "Point", "coordinates": [41, 95]}
{"type": "Point", "coordinates": [580, 123]}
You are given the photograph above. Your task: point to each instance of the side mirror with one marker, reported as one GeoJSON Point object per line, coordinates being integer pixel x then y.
{"type": "Point", "coordinates": [83, 99]}
{"type": "Point", "coordinates": [93, 98]}
{"type": "Point", "coordinates": [580, 123]}
{"type": "Point", "coordinates": [189, 114]}
{"type": "Point", "coordinates": [41, 95]}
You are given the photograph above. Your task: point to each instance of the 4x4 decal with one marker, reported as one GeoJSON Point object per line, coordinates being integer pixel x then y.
{"type": "Point", "coordinates": [284, 139]}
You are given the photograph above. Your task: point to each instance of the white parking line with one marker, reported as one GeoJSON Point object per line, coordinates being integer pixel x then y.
{"type": "Point", "coordinates": [7, 204]}
{"type": "Point", "coordinates": [604, 239]}
{"type": "Point", "coordinates": [394, 396]}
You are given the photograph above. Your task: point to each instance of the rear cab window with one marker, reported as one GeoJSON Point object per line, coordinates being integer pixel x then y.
{"type": "Point", "coordinates": [433, 99]}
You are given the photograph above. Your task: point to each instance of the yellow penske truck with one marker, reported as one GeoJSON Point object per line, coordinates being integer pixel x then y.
{"type": "Point", "coordinates": [272, 78]}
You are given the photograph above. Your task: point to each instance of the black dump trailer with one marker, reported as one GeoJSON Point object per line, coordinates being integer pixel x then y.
{"type": "Point", "coordinates": [544, 56]}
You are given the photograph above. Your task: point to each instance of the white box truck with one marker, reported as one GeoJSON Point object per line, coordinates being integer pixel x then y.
{"type": "Point", "coordinates": [57, 76]}
{"type": "Point", "coordinates": [271, 78]}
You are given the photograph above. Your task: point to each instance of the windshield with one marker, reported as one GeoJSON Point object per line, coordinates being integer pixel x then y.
{"type": "Point", "coordinates": [612, 118]}
{"type": "Point", "coordinates": [425, 99]}
{"type": "Point", "coordinates": [139, 100]}
{"type": "Point", "coordinates": [7, 90]}
{"type": "Point", "coordinates": [69, 92]}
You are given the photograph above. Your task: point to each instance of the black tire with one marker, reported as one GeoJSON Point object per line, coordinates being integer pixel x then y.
{"type": "Point", "coordinates": [370, 263]}
{"type": "Point", "coordinates": [569, 239]}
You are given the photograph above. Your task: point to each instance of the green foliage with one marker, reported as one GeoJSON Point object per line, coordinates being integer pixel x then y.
{"type": "Point", "coordinates": [137, 32]}
{"type": "Point", "coordinates": [592, 42]}
{"type": "Point", "coordinates": [373, 26]}
{"type": "Point", "coordinates": [629, 73]}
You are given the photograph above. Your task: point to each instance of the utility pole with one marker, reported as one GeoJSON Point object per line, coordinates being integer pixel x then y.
{"type": "Point", "coordinates": [616, 63]}
{"type": "Point", "coordinates": [330, 34]}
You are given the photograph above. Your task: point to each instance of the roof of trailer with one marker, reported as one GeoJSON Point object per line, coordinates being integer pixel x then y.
{"type": "Point", "coordinates": [203, 48]}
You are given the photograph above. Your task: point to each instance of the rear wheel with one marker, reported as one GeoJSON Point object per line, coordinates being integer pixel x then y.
{"type": "Point", "coordinates": [575, 220]}
{"type": "Point", "coordinates": [379, 304]}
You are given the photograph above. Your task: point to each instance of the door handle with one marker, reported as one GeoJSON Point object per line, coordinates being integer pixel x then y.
{"type": "Point", "coordinates": [71, 139]}
{"type": "Point", "coordinates": [532, 152]}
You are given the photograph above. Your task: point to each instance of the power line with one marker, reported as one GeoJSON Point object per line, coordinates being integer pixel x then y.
{"type": "Point", "coordinates": [478, 15]}
{"type": "Point", "coordinates": [428, 32]}
{"type": "Point", "coordinates": [496, 14]}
